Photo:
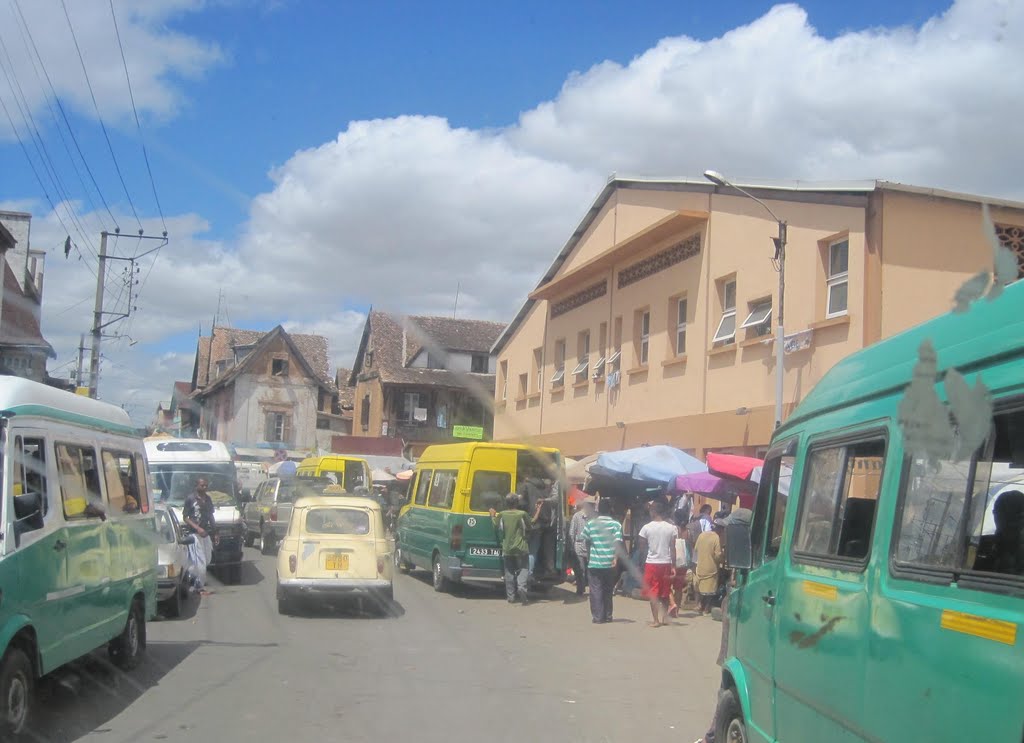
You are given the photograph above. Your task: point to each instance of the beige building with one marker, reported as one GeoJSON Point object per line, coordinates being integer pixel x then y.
{"type": "Point", "coordinates": [654, 323]}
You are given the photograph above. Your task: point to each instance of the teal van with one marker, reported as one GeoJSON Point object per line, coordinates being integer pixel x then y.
{"type": "Point", "coordinates": [445, 527]}
{"type": "Point", "coordinates": [78, 548]}
{"type": "Point", "coordinates": [880, 583]}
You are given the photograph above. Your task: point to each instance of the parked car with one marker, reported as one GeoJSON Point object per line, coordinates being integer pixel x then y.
{"type": "Point", "coordinates": [266, 515]}
{"type": "Point", "coordinates": [173, 576]}
{"type": "Point", "coordinates": [334, 547]}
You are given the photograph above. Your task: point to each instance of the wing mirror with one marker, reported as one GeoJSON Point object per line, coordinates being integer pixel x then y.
{"type": "Point", "coordinates": [737, 546]}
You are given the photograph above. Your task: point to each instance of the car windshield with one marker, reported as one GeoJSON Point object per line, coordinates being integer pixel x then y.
{"type": "Point", "coordinates": [171, 483]}
{"type": "Point", "coordinates": [337, 521]}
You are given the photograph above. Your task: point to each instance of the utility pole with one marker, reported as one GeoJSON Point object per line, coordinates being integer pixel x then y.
{"type": "Point", "coordinates": [97, 319]}
{"type": "Point", "coordinates": [81, 362]}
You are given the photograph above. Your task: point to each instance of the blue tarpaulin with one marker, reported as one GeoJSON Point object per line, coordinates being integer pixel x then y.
{"type": "Point", "coordinates": [649, 463]}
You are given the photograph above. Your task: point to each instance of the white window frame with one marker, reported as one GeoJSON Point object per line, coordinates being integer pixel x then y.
{"type": "Point", "coordinates": [614, 358]}
{"type": "Point", "coordinates": [582, 367]}
{"type": "Point", "coordinates": [645, 338]}
{"type": "Point", "coordinates": [583, 361]}
{"type": "Point", "coordinates": [758, 314]}
{"type": "Point", "coordinates": [841, 278]}
{"type": "Point", "coordinates": [681, 309]}
{"type": "Point", "coordinates": [727, 312]}
{"type": "Point", "coordinates": [599, 367]}
{"type": "Point", "coordinates": [558, 378]}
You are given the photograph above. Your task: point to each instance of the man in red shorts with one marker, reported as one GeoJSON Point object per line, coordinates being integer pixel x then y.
{"type": "Point", "coordinates": [659, 536]}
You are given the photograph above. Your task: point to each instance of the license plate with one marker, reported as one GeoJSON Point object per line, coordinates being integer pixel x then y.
{"type": "Point", "coordinates": [485, 551]}
{"type": "Point", "coordinates": [337, 562]}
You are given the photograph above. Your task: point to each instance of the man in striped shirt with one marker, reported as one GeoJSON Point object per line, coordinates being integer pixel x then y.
{"type": "Point", "coordinates": [604, 535]}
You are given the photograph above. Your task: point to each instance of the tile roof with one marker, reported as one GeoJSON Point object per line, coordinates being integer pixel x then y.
{"type": "Point", "coordinates": [225, 340]}
{"type": "Point", "coordinates": [346, 393]}
{"type": "Point", "coordinates": [383, 335]}
{"type": "Point", "coordinates": [18, 323]}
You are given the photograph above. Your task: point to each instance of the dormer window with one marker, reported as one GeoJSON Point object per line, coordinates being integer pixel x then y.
{"type": "Point", "coordinates": [479, 363]}
{"type": "Point", "coordinates": [279, 368]}
{"type": "Point", "coordinates": [435, 360]}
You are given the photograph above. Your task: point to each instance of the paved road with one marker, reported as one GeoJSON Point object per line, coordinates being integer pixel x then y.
{"type": "Point", "coordinates": [463, 667]}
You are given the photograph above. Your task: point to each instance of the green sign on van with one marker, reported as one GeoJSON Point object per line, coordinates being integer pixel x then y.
{"type": "Point", "coordinates": [468, 432]}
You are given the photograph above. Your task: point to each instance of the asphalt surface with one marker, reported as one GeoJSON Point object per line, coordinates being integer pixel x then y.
{"type": "Point", "coordinates": [437, 667]}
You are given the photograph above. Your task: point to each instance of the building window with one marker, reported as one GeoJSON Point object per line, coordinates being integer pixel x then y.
{"type": "Point", "coordinates": [503, 381]}
{"type": "Point", "coordinates": [279, 367]}
{"type": "Point", "coordinates": [435, 360]}
{"type": "Point", "coordinates": [524, 384]}
{"type": "Point", "coordinates": [615, 360]}
{"type": "Point", "coordinates": [364, 413]}
{"type": "Point", "coordinates": [642, 334]}
{"type": "Point", "coordinates": [538, 368]}
{"type": "Point", "coordinates": [726, 332]}
{"type": "Point", "coordinates": [558, 378]}
{"type": "Point", "coordinates": [759, 321]}
{"type": "Point", "coordinates": [680, 347]}
{"type": "Point", "coordinates": [479, 363]}
{"type": "Point", "coordinates": [279, 427]}
{"type": "Point", "coordinates": [838, 278]}
{"type": "Point", "coordinates": [582, 354]}
{"type": "Point", "coordinates": [414, 408]}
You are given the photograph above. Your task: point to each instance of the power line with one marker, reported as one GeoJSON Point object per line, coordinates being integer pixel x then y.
{"type": "Point", "coordinates": [26, 38]}
{"type": "Point", "coordinates": [64, 115]}
{"type": "Point", "coordinates": [99, 117]}
{"type": "Point", "coordinates": [135, 111]}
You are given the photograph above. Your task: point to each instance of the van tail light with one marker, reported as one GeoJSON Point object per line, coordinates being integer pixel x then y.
{"type": "Point", "coordinates": [456, 540]}
{"type": "Point", "coordinates": [292, 562]}
{"type": "Point", "coordinates": [273, 513]}
{"type": "Point", "coordinates": [380, 566]}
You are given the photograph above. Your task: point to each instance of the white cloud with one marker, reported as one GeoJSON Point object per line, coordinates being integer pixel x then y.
{"type": "Point", "coordinates": [399, 212]}
{"type": "Point", "coordinates": [159, 59]}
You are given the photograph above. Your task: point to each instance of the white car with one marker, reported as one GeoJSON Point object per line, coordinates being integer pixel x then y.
{"type": "Point", "coordinates": [173, 577]}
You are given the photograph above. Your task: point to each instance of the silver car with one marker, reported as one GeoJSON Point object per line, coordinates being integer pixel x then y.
{"type": "Point", "coordinates": [266, 515]}
{"type": "Point", "coordinates": [173, 576]}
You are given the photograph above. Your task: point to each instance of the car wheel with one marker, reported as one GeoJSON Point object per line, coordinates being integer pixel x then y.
{"type": "Point", "coordinates": [729, 724]}
{"type": "Point", "coordinates": [441, 583]}
{"type": "Point", "coordinates": [267, 543]}
{"type": "Point", "coordinates": [171, 607]}
{"type": "Point", "coordinates": [126, 649]}
{"type": "Point", "coordinates": [17, 681]}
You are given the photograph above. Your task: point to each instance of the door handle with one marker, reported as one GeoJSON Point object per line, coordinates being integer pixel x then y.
{"type": "Point", "coordinates": [769, 598]}
{"type": "Point", "coordinates": [59, 545]}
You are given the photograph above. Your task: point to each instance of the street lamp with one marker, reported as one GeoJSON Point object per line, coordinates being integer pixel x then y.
{"type": "Point", "coordinates": [780, 255]}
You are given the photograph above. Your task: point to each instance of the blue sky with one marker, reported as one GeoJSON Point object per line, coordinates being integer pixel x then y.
{"type": "Point", "coordinates": [376, 135]}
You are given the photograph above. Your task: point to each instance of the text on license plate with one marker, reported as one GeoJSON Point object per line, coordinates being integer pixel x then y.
{"type": "Point", "coordinates": [336, 562]}
{"type": "Point", "coordinates": [485, 551]}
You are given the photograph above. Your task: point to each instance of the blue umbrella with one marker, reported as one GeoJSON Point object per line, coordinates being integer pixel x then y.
{"type": "Point", "coordinates": [649, 463]}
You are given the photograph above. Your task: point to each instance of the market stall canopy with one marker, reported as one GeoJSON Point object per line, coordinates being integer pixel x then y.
{"type": "Point", "coordinates": [576, 470]}
{"type": "Point", "coordinates": [405, 475]}
{"type": "Point", "coordinates": [734, 465]}
{"type": "Point", "coordinates": [282, 469]}
{"type": "Point", "coordinates": [648, 463]}
{"type": "Point", "coordinates": [720, 488]}
{"type": "Point", "coordinates": [382, 476]}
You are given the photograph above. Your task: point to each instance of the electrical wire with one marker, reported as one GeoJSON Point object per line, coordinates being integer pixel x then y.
{"type": "Point", "coordinates": [99, 117]}
{"type": "Point", "coordinates": [64, 116]}
{"type": "Point", "coordinates": [135, 111]}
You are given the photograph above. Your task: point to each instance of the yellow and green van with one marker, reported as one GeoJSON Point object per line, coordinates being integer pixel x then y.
{"type": "Point", "coordinates": [348, 472]}
{"type": "Point", "coordinates": [880, 581]}
{"type": "Point", "coordinates": [78, 543]}
{"type": "Point", "coordinates": [445, 526]}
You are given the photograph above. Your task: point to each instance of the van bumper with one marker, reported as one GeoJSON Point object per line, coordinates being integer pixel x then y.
{"type": "Point", "coordinates": [291, 587]}
{"type": "Point", "coordinates": [458, 572]}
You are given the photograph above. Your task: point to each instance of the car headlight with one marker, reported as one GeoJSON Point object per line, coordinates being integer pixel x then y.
{"type": "Point", "coordinates": [161, 571]}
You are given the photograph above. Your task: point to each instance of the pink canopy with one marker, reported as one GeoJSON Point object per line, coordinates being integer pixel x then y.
{"type": "Point", "coordinates": [733, 465]}
{"type": "Point", "coordinates": [725, 489]}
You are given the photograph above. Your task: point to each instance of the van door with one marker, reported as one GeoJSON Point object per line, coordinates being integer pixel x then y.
{"type": "Point", "coordinates": [752, 604]}
{"type": "Point", "coordinates": [822, 609]}
{"type": "Point", "coordinates": [411, 530]}
{"type": "Point", "coordinates": [87, 612]}
{"type": "Point", "coordinates": [37, 548]}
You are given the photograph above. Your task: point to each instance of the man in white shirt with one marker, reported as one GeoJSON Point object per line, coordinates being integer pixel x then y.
{"type": "Point", "coordinates": [659, 538]}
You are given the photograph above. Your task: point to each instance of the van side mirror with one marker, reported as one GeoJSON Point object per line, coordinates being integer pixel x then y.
{"type": "Point", "coordinates": [737, 546]}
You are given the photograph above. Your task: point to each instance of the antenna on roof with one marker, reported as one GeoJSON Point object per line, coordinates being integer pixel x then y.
{"type": "Point", "coordinates": [458, 287]}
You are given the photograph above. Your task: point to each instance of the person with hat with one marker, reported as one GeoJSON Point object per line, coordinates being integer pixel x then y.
{"type": "Point", "coordinates": [586, 508]}
{"type": "Point", "coordinates": [710, 559]}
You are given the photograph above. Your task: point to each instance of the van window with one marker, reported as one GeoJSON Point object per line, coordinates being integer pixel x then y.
{"type": "Point", "coordinates": [79, 480]}
{"type": "Point", "coordinates": [774, 494]}
{"type": "Point", "coordinates": [30, 468]}
{"type": "Point", "coordinates": [422, 486]}
{"type": "Point", "coordinates": [121, 477]}
{"type": "Point", "coordinates": [966, 518]}
{"type": "Point", "coordinates": [355, 477]}
{"type": "Point", "coordinates": [442, 489]}
{"type": "Point", "coordinates": [489, 490]}
{"type": "Point", "coordinates": [839, 501]}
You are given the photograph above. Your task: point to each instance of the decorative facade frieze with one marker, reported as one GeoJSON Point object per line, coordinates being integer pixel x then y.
{"type": "Point", "coordinates": [660, 261]}
{"type": "Point", "coordinates": [1012, 237]}
{"type": "Point", "coordinates": [580, 298]}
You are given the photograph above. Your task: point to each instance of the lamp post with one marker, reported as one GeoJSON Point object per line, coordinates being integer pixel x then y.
{"type": "Point", "coordinates": [780, 255]}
